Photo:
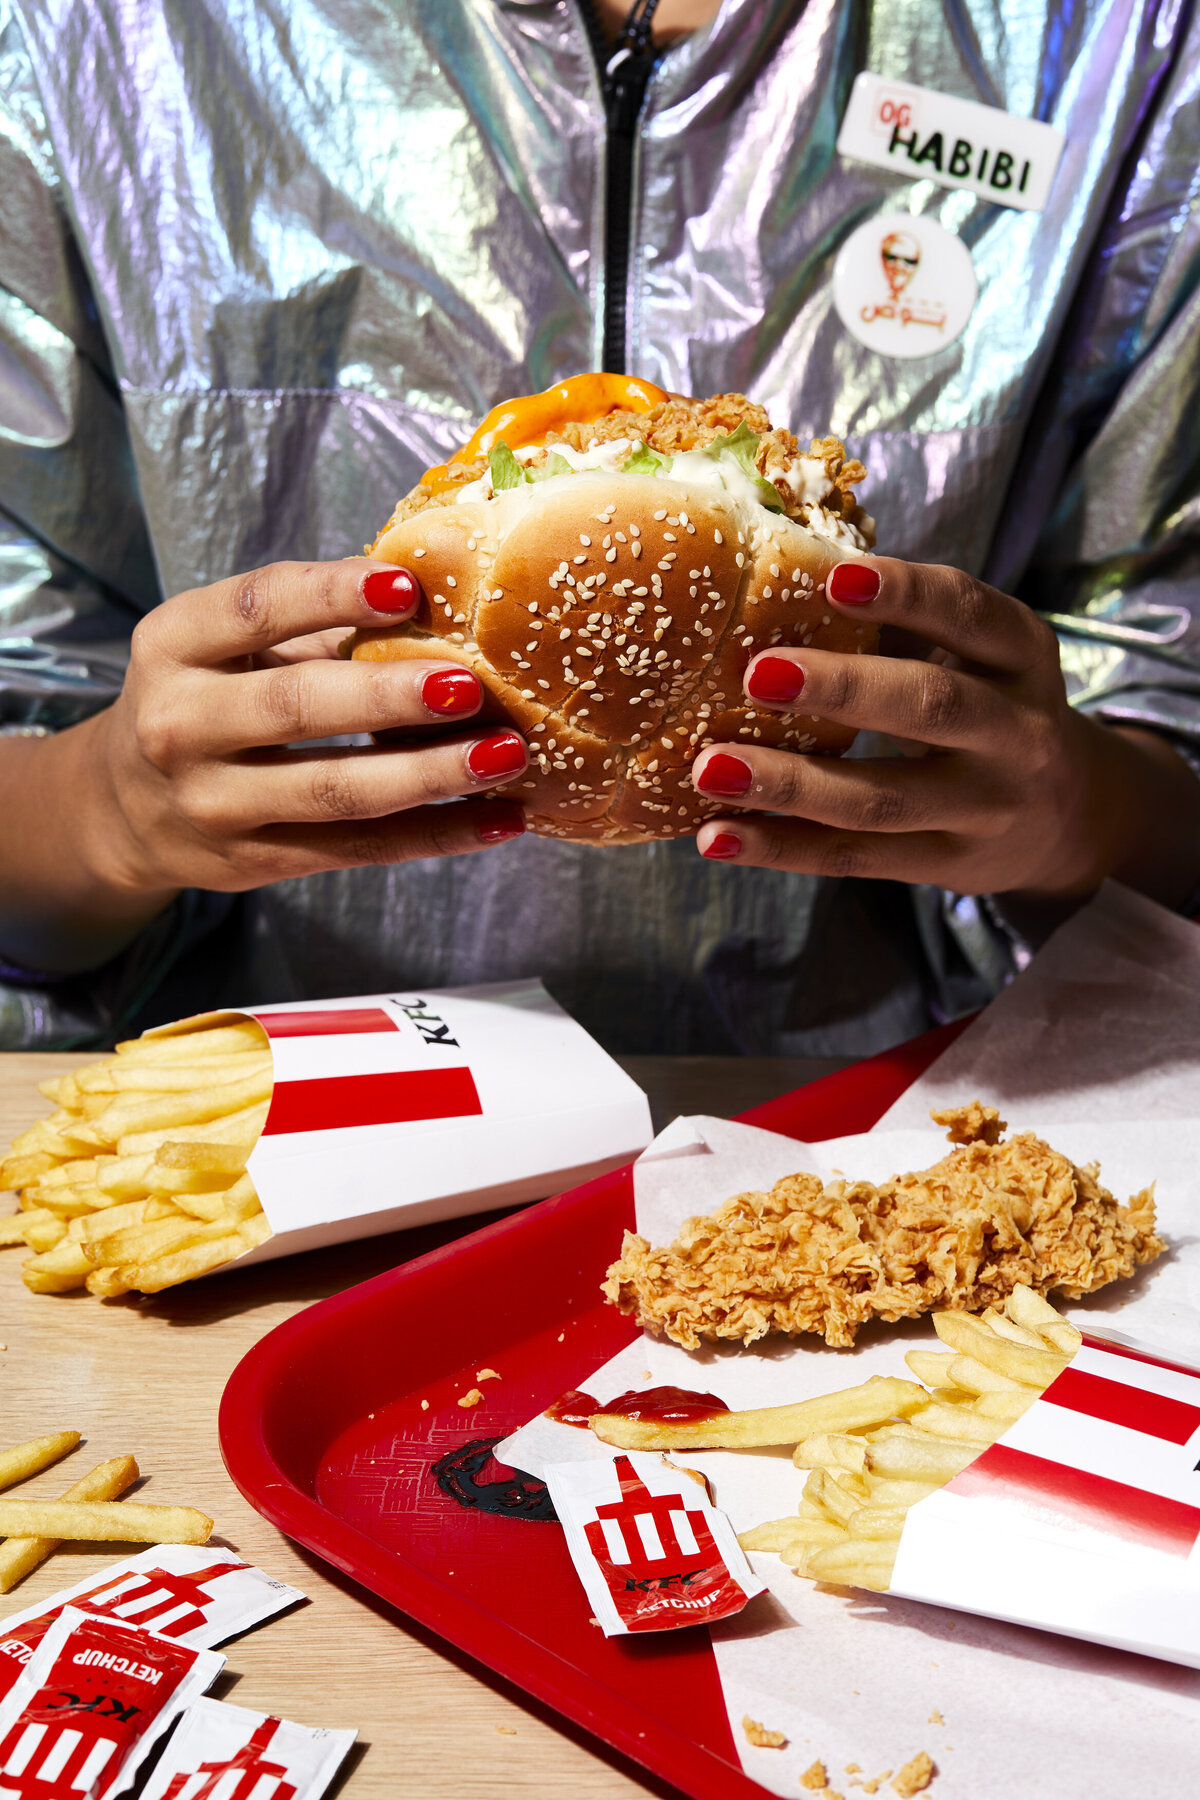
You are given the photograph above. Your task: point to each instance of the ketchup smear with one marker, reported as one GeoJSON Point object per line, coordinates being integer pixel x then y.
{"type": "Point", "coordinates": [669, 1405]}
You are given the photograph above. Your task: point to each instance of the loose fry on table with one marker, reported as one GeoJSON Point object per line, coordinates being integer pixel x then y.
{"type": "Point", "coordinates": [12, 1230]}
{"type": "Point", "coordinates": [19, 1556]}
{"type": "Point", "coordinates": [24, 1460]}
{"type": "Point", "coordinates": [56, 1271]}
{"type": "Point", "coordinates": [104, 1521]}
{"type": "Point", "coordinates": [869, 1404]}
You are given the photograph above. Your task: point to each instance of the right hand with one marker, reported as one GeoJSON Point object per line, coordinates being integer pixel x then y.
{"type": "Point", "coordinates": [189, 768]}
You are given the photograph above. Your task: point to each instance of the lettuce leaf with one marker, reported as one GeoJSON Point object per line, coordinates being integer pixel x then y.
{"type": "Point", "coordinates": [553, 465]}
{"type": "Point", "coordinates": [645, 461]}
{"type": "Point", "coordinates": [505, 469]}
{"type": "Point", "coordinates": [742, 446]}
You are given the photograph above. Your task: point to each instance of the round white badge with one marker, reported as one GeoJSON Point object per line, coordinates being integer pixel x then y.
{"type": "Point", "coordinates": [904, 285]}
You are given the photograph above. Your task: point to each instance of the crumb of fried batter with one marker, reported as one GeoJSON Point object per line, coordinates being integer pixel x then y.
{"type": "Point", "coordinates": [935, 1717]}
{"type": "Point", "coordinates": [815, 1257]}
{"type": "Point", "coordinates": [760, 1737]}
{"type": "Point", "coordinates": [915, 1776]}
{"type": "Point", "coordinates": [876, 1782]}
{"type": "Point", "coordinates": [488, 1375]}
{"type": "Point", "coordinates": [814, 1777]}
{"type": "Point", "coordinates": [974, 1123]}
{"type": "Point", "coordinates": [472, 1397]}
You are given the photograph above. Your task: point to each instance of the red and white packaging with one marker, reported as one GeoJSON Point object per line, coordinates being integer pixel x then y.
{"type": "Point", "coordinates": [1084, 1518]}
{"type": "Point", "coordinates": [225, 1752]}
{"type": "Point", "coordinates": [390, 1110]}
{"type": "Point", "coordinates": [90, 1704]}
{"type": "Point", "coordinates": [651, 1551]}
{"type": "Point", "coordinates": [191, 1593]}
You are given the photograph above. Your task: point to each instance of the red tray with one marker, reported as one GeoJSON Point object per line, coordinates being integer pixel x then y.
{"type": "Point", "coordinates": [323, 1431]}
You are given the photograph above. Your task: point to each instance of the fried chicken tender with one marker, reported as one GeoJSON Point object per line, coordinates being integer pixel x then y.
{"type": "Point", "coordinates": [826, 1258]}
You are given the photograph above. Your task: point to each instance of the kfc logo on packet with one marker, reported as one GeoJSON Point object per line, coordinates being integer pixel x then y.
{"type": "Point", "coordinates": [190, 1593]}
{"type": "Point", "coordinates": [89, 1705]}
{"type": "Point", "coordinates": [651, 1551]}
{"type": "Point", "coordinates": [225, 1752]}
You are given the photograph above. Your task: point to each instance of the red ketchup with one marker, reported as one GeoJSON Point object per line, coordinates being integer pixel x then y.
{"type": "Point", "coordinates": [667, 1405]}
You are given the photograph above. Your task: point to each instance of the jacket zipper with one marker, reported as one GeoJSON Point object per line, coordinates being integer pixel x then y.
{"type": "Point", "coordinates": [623, 88]}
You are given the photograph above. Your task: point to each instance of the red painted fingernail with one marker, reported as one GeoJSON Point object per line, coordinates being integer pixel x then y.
{"type": "Point", "coordinates": [496, 758]}
{"type": "Point", "coordinates": [505, 819]}
{"type": "Point", "coordinates": [726, 776]}
{"type": "Point", "coordinates": [853, 584]}
{"type": "Point", "coordinates": [724, 847]}
{"type": "Point", "coordinates": [776, 679]}
{"type": "Point", "coordinates": [451, 691]}
{"type": "Point", "coordinates": [391, 591]}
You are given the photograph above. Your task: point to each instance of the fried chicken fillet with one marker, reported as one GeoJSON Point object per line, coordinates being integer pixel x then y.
{"type": "Point", "coordinates": [825, 1258]}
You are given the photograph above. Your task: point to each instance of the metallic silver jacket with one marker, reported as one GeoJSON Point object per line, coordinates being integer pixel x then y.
{"type": "Point", "coordinates": [263, 260]}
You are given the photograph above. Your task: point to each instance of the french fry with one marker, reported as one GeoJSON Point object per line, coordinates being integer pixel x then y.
{"type": "Point", "coordinates": [777, 1534]}
{"type": "Point", "coordinates": [853, 1408]}
{"type": "Point", "coordinates": [18, 1171]}
{"type": "Point", "coordinates": [958, 1423]}
{"type": "Point", "coordinates": [19, 1556]}
{"type": "Point", "coordinates": [1005, 1327]}
{"type": "Point", "coordinates": [1036, 1314]}
{"type": "Point", "coordinates": [855, 1564]}
{"type": "Point", "coordinates": [56, 1271]}
{"type": "Point", "coordinates": [932, 1367]}
{"type": "Point", "coordinates": [808, 1535]}
{"type": "Point", "coordinates": [971, 1337]}
{"type": "Point", "coordinates": [184, 1265]}
{"type": "Point", "coordinates": [836, 1501]}
{"type": "Point", "coordinates": [888, 1490]}
{"type": "Point", "coordinates": [143, 1241]}
{"type": "Point", "coordinates": [29, 1458]}
{"type": "Point", "coordinates": [236, 1128]}
{"type": "Point", "coordinates": [104, 1521]}
{"type": "Point", "coordinates": [72, 1174]}
{"type": "Point", "coordinates": [831, 1450]}
{"type": "Point", "coordinates": [130, 1076]}
{"type": "Point", "coordinates": [124, 1177]}
{"type": "Point", "coordinates": [67, 1202]}
{"type": "Point", "coordinates": [43, 1229]}
{"type": "Point", "coordinates": [182, 1046]}
{"type": "Point", "coordinates": [133, 1114]}
{"type": "Point", "coordinates": [975, 1377]}
{"type": "Point", "coordinates": [876, 1522]}
{"type": "Point", "coordinates": [12, 1229]}
{"type": "Point", "coordinates": [106, 1284]}
{"type": "Point", "coordinates": [916, 1456]}
{"type": "Point", "coordinates": [194, 1168]}
{"type": "Point", "coordinates": [1006, 1406]}
{"type": "Point", "coordinates": [51, 1089]}
{"type": "Point", "coordinates": [113, 1219]}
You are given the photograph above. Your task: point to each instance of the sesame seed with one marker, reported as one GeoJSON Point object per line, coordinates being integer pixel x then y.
{"type": "Point", "coordinates": [662, 514]}
{"type": "Point", "coordinates": [450, 581]}
{"type": "Point", "coordinates": [775, 570]}
{"type": "Point", "coordinates": [585, 541]}
{"type": "Point", "coordinates": [767, 592]}
{"type": "Point", "coordinates": [541, 684]}
{"type": "Point", "coordinates": [418, 552]}
{"type": "Point", "coordinates": [739, 559]}
{"type": "Point", "coordinates": [578, 559]}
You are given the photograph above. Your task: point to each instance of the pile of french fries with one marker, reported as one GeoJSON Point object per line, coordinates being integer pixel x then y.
{"type": "Point", "coordinates": [873, 1451]}
{"type": "Point", "coordinates": [90, 1511]}
{"type": "Point", "coordinates": [139, 1180]}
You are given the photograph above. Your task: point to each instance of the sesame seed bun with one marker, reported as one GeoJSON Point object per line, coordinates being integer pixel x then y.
{"type": "Point", "coordinates": [610, 618]}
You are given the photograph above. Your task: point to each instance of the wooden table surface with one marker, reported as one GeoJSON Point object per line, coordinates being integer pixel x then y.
{"type": "Point", "coordinates": [146, 1378]}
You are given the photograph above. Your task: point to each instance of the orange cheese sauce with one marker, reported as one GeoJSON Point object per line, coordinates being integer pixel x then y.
{"type": "Point", "coordinates": [530, 418]}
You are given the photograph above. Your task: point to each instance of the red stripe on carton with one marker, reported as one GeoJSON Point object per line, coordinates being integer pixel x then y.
{"type": "Point", "coordinates": [1074, 1497]}
{"type": "Point", "coordinates": [1110, 1348]}
{"type": "Point", "coordinates": [398, 1096]}
{"type": "Point", "coordinates": [1136, 1408]}
{"type": "Point", "coordinates": [329, 1022]}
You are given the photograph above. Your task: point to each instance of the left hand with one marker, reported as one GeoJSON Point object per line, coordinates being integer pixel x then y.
{"type": "Point", "coordinates": [1014, 790]}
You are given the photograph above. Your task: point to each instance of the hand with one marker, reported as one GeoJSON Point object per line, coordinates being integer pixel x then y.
{"type": "Point", "coordinates": [188, 777]}
{"type": "Point", "coordinates": [1009, 790]}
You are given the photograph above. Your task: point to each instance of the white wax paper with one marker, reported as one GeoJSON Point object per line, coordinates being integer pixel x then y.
{"type": "Point", "coordinates": [1096, 1046]}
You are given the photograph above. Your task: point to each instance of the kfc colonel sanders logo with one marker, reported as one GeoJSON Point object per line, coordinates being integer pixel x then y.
{"type": "Point", "coordinates": [903, 285]}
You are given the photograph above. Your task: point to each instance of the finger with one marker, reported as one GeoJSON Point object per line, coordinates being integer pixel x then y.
{"type": "Point", "coordinates": [940, 794]}
{"type": "Point", "coordinates": [315, 787]}
{"type": "Point", "coordinates": [284, 852]}
{"type": "Point", "coordinates": [804, 849]}
{"type": "Point", "coordinates": [246, 615]}
{"type": "Point", "coordinates": [299, 701]}
{"type": "Point", "coordinates": [919, 700]}
{"type": "Point", "coordinates": [945, 607]}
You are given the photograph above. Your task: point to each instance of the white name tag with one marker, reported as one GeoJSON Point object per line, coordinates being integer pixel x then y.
{"type": "Point", "coordinates": [957, 143]}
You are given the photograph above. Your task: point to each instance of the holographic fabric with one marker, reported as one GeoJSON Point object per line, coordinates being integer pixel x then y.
{"type": "Point", "coordinates": [263, 260]}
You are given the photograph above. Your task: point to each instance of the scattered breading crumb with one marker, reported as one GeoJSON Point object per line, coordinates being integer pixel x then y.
{"type": "Point", "coordinates": [561, 1336]}
{"type": "Point", "coordinates": [593, 1620]}
{"type": "Point", "coordinates": [471, 1398]}
{"type": "Point", "coordinates": [935, 1717]}
{"type": "Point", "coordinates": [424, 1406]}
{"type": "Point", "coordinates": [762, 1738]}
{"type": "Point", "coordinates": [814, 1777]}
{"type": "Point", "coordinates": [853, 1769]}
{"type": "Point", "coordinates": [915, 1776]}
{"type": "Point", "coordinates": [487, 1375]}
{"type": "Point", "coordinates": [876, 1782]}
{"type": "Point", "coordinates": [507, 1730]}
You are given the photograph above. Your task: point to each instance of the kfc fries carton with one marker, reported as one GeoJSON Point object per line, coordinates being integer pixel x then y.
{"type": "Point", "coordinates": [651, 1552]}
{"type": "Point", "coordinates": [1084, 1518]}
{"type": "Point", "coordinates": [192, 1593]}
{"type": "Point", "coordinates": [90, 1704]}
{"type": "Point", "coordinates": [225, 1752]}
{"type": "Point", "coordinates": [390, 1110]}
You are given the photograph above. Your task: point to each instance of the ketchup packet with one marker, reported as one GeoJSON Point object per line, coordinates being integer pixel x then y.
{"type": "Point", "coordinates": [225, 1752]}
{"type": "Point", "coordinates": [192, 1593]}
{"type": "Point", "coordinates": [651, 1551]}
{"type": "Point", "coordinates": [90, 1703]}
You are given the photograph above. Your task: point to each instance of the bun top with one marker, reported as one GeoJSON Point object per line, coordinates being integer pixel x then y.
{"type": "Point", "coordinates": [609, 596]}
